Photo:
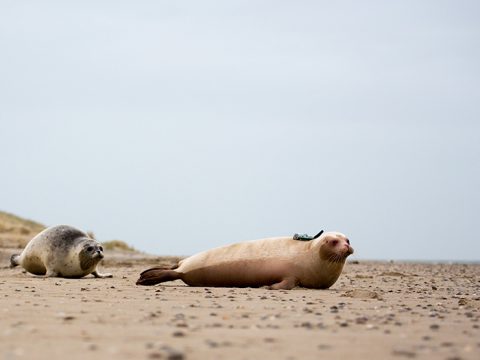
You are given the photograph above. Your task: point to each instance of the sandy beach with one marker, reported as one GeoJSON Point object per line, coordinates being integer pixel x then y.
{"type": "Point", "coordinates": [276, 140]}
{"type": "Point", "coordinates": [375, 310]}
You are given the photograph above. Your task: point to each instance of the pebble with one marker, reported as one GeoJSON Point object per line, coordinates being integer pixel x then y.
{"type": "Point", "coordinates": [404, 353]}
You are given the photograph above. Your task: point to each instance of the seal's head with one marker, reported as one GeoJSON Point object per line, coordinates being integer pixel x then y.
{"type": "Point", "coordinates": [335, 247]}
{"type": "Point", "coordinates": [90, 254]}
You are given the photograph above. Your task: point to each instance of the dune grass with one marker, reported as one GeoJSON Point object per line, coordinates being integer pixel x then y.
{"type": "Point", "coordinates": [117, 245]}
{"type": "Point", "coordinates": [15, 232]}
{"type": "Point", "coordinates": [13, 224]}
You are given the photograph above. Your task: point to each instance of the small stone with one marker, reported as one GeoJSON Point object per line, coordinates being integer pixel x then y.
{"type": "Point", "coordinates": [324, 347]}
{"type": "Point", "coordinates": [361, 320]}
{"type": "Point", "coordinates": [306, 324]}
{"type": "Point", "coordinates": [404, 353]}
{"type": "Point", "coordinates": [175, 355]}
{"type": "Point", "coordinates": [171, 354]}
{"type": "Point", "coordinates": [446, 344]}
{"type": "Point", "coordinates": [212, 344]}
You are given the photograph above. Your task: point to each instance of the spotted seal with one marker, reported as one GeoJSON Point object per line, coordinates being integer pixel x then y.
{"type": "Point", "coordinates": [61, 251]}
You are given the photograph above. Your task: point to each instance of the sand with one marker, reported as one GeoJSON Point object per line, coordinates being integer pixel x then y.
{"type": "Point", "coordinates": [374, 311]}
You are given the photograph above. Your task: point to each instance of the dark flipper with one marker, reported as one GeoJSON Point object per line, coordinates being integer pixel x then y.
{"type": "Point", "coordinates": [157, 275]}
{"type": "Point", "coordinates": [14, 260]}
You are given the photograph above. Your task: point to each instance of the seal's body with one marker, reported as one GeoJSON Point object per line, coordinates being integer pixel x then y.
{"type": "Point", "coordinates": [280, 263]}
{"type": "Point", "coordinates": [61, 251]}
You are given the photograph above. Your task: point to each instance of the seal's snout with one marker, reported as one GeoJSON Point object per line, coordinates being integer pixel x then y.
{"type": "Point", "coordinates": [350, 250]}
{"type": "Point", "coordinates": [348, 247]}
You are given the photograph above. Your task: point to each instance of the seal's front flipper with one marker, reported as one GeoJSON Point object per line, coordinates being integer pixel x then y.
{"type": "Point", "coordinates": [286, 284]}
{"type": "Point", "coordinates": [101, 276]}
{"type": "Point", "coordinates": [157, 275]}
{"type": "Point", "coordinates": [52, 273]}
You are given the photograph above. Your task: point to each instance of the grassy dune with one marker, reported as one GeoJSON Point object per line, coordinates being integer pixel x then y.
{"type": "Point", "coordinates": [15, 232]}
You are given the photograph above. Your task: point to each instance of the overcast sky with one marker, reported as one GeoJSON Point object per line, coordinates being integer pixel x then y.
{"type": "Point", "coordinates": [178, 126]}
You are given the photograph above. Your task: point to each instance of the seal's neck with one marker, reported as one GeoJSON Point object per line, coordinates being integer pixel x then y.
{"type": "Point", "coordinates": [329, 267]}
{"type": "Point", "coordinates": [329, 272]}
{"type": "Point", "coordinates": [87, 262]}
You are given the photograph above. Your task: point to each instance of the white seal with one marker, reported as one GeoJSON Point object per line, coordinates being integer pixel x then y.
{"type": "Point", "coordinates": [280, 263]}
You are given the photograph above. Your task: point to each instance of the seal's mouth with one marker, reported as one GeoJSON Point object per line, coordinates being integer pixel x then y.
{"type": "Point", "coordinates": [98, 255]}
{"type": "Point", "coordinates": [346, 252]}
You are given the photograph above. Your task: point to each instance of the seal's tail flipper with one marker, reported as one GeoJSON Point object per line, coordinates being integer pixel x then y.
{"type": "Point", "coordinates": [157, 275]}
{"type": "Point", "coordinates": [14, 260]}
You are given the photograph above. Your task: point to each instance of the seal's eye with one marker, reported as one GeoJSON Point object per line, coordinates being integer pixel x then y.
{"type": "Point", "coordinates": [334, 242]}
{"type": "Point", "coordinates": [90, 248]}
{"type": "Point", "coordinates": [101, 248]}
{"type": "Point", "coordinates": [348, 242]}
